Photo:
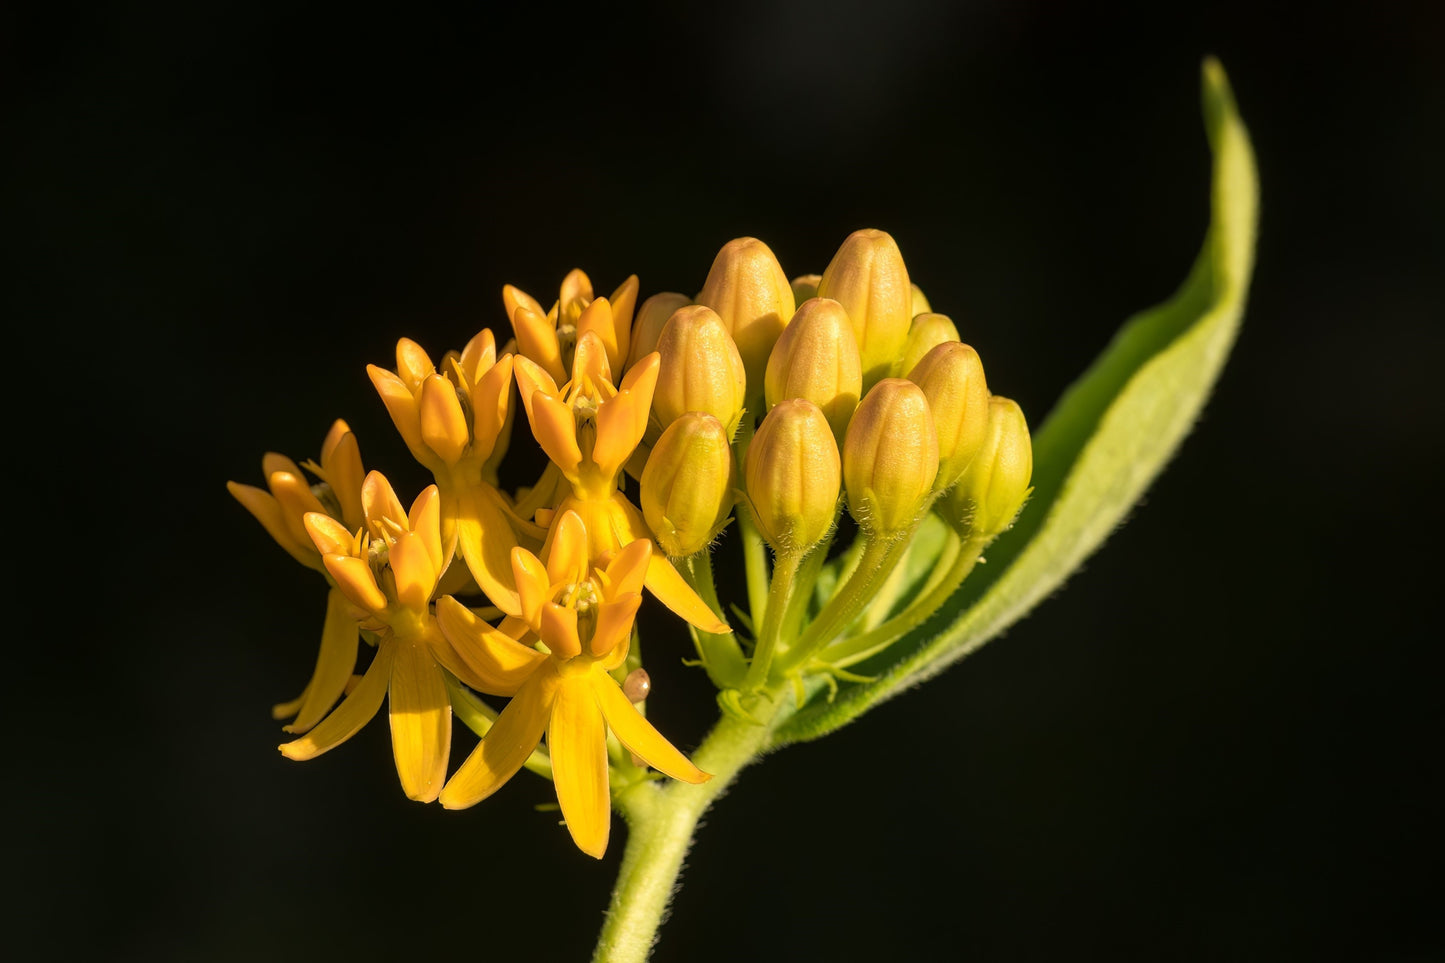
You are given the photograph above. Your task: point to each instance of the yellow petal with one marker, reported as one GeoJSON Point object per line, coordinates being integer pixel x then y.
{"type": "Point", "coordinates": [559, 630]}
{"type": "Point", "coordinates": [577, 739]}
{"type": "Point", "coordinates": [638, 735]}
{"type": "Point", "coordinates": [509, 742]}
{"type": "Point", "coordinates": [334, 664]}
{"type": "Point", "coordinates": [285, 710]}
{"type": "Point", "coordinates": [641, 379]}
{"type": "Point", "coordinates": [378, 501]}
{"type": "Point", "coordinates": [567, 558]}
{"type": "Point", "coordinates": [411, 565]}
{"type": "Point", "coordinates": [496, 664]}
{"type": "Point", "coordinates": [621, 422]}
{"type": "Point", "coordinates": [576, 285]}
{"type": "Point", "coordinates": [491, 399]}
{"type": "Point", "coordinates": [400, 404]}
{"type": "Point", "coordinates": [624, 301]}
{"type": "Point", "coordinates": [530, 380]}
{"type": "Point", "coordinates": [328, 535]}
{"type": "Point", "coordinates": [443, 423]}
{"type": "Point", "coordinates": [614, 623]}
{"type": "Point", "coordinates": [486, 541]}
{"type": "Point", "coordinates": [555, 429]}
{"type": "Point", "coordinates": [294, 496]}
{"type": "Point", "coordinates": [421, 721]}
{"type": "Point", "coordinates": [662, 580]}
{"type": "Point", "coordinates": [425, 519]}
{"type": "Point", "coordinates": [514, 298]}
{"type": "Point", "coordinates": [341, 460]}
{"type": "Point", "coordinates": [537, 339]}
{"type": "Point", "coordinates": [590, 364]}
{"type": "Point", "coordinates": [533, 586]}
{"type": "Point", "coordinates": [480, 353]}
{"type": "Point", "coordinates": [353, 576]}
{"type": "Point", "coordinates": [596, 318]}
{"type": "Point", "coordinates": [628, 569]}
{"type": "Point", "coordinates": [351, 715]}
{"type": "Point", "coordinates": [272, 462]}
{"type": "Point", "coordinates": [413, 364]}
{"type": "Point", "coordinates": [263, 507]}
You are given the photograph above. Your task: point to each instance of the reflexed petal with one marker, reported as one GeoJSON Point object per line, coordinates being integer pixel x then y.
{"type": "Point", "coordinates": [514, 298]}
{"type": "Point", "coordinates": [294, 496]}
{"type": "Point", "coordinates": [272, 462]}
{"type": "Point", "coordinates": [559, 630]}
{"type": "Point", "coordinates": [491, 400]}
{"type": "Point", "coordinates": [507, 745]}
{"type": "Point", "coordinates": [425, 519]}
{"type": "Point", "coordinates": [533, 585]}
{"type": "Point", "coordinates": [638, 735]}
{"type": "Point", "coordinates": [344, 473]}
{"type": "Point", "coordinates": [378, 501]}
{"type": "Point", "coordinates": [537, 339]}
{"type": "Point", "coordinates": [624, 302]}
{"type": "Point", "coordinates": [421, 721]}
{"type": "Point", "coordinates": [328, 535]}
{"type": "Point", "coordinates": [413, 364]}
{"type": "Point", "coordinates": [443, 424]}
{"type": "Point", "coordinates": [530, 380]}
{"type": "Point", "coordinates": [411, 565]}
{"type": "Point", "coordinates": [577, 741]}
{"type": "Point", "coordinates": [628, 569]}
{"type": "Point", "coordinates": [334, 664]}
{"type": "Point", "coordinates": [555, 429]}
{"type": "Point", "coordinates": [614, 623]}
{"type": "Point", "coordinates": [339, 429]}
{"type": "Point", "coordinates": [353, 576]}
{"type": "Point", "coordinates": [264, 508]}
{"type": "Point", "coordinates": [497, 663]}
{"type": "Point", "coordinates": [400, 404]}
{"type": "Point", "coordinates": [596, 318]}
{"type": "Point", "coordinates": [285, 710]}
{"type": "Point", "coordinates": [567, 559]}
{"type": "Point", "coordinates": [486, 541]}
{"type": "Point", "coordinates": [351, 715]}
{"type": "Point", "coordinates": [480, 353]}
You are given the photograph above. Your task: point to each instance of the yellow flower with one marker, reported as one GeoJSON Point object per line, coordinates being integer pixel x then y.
{"type": "Point", "coordinates": [281, 508]}
{"type": "Point", "coordinates": [453, 424]}
{"type": "Point", "coordinates": [589, 429]}
{"type": "Point", "coordinates": [550, 338]}
{"type": "Point", "coordinates": [583, 615]}
{"type": "Point", "coordinates": [387, 570]}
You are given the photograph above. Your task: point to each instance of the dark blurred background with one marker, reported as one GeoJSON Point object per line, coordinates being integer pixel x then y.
{"type": "Point", "coordinates": [1220, 741]}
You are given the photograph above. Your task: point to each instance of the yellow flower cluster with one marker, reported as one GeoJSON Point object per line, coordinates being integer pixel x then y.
{"type": "Point", "coordinates": [866, 398]}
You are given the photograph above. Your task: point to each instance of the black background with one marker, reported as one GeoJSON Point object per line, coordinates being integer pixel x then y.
{"type": "Point", "coordinates": [1220, 741]}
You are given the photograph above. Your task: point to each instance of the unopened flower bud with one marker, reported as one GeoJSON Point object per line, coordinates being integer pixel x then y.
{"type": "Point", "coordinates": [817, 359]}
{"type": "Point", "coordinates": [890, 458]}
{"type": "Point", "coordinates": [927, 332]}
{"type": "Point", "coordinates": [867, 276]}
{"type": "Point", "coordinates": [996, 483]}
{"type": "Point", "coordinates": [752, 295]}
{"type": "Point", "coordinates": [793, 474]}
{"type": "Point", "coordinates": [701, 369]}
{"type": "Point", "coordinates": [687, 484]}
{"type": "Point", "coordinates": [920, 303]}
{"type": "Point", "coordinates": [805, 286]}
{"type": "Point", "coordinates": [652, 315]}
{"type": "Point", "coordinates": [951, 376]}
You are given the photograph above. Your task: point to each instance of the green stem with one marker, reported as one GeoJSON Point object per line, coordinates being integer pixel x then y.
{"type": "Point", "coordinates": [878, 558]}
{"type": "Point", "coordinates": [661, 822]}
{"type": "Point", "coordinates": [852, 651]}
{"type": "Point", "coordinates": [722, 657]}
{"type": "Point", "coordinates": [755, 551]}
{"type": "Point", "coordinates": [780, 596]}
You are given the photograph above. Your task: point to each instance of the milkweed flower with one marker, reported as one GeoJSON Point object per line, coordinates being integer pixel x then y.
{"type": "Point", "coordinates": [582, 613]}
{"type": "Point", "coordinates": [387, 571]}
{"type": "Point", "coordinates": [453, 423]}
{"type": "Point", "coordinates": [550, 338]}
{"type": "Point", "coordinates": [281, 508]}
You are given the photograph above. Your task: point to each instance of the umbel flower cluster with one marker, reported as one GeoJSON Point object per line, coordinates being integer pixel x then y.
{"type": "Point", "coordinates": [773, 403]}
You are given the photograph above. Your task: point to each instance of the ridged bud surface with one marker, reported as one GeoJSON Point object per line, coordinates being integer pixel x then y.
{"type": "Point", "coordinates": [996, 483]}
{"type": "Point", "coordinates": [927, 331]}
{"type": "Point", "coordinates": [867, 276]}
{"type": "Point", "coordinates": [793, 474]}
{"type": "Point", "coordinates": [652, 316]}
{"type": "Point", "coordinates": [890, 458]}
{"type": "Point", "coordinates": [687, 484]}
{"type": "Point", "coordinates": [816, 359]}
{"type": "Point", "coordinates": [752, 295]}
{"type": "Point", "coordinates": [952, 379]}
{"type": "Point", "coordinates": [701, 369]}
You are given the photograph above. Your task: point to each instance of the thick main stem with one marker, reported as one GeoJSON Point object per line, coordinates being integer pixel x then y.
{"type": "Point", "coordinates": [661, 822]}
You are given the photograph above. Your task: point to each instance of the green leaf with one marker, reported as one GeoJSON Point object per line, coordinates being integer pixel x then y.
{"type": "Point", "coordinates": [1110, 435]}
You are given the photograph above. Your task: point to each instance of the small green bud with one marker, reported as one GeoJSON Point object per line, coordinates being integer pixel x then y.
{"type": "Point", "coordinates": [951, 376]}
{"type": "Point", "coordinates": [687, 484]}
{"type": "Point", "coordinates": [793, 475]}
{"type": "Point", "coordinates": [701, 369]}
{"type": "Point", "coordinates": [750, 292]}
{"type": "Point", "coordinates": [927, 331]}
{"type": "Point", "coordinates": [817, 359]}
{"type": "Point", "coordinates": [647, 327]}
{"type": "Point", "coordinates": [805, 286]}
{"type": "Point", "coordinates": [996, 483]}
{"type": "Point", "coordinates": [890, 458]}
{"type": "Point", "coordinates": [867, 276]}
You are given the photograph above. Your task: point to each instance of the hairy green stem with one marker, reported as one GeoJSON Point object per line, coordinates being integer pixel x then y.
{"type": "Point", "coordinates": [722, 657]}
{"type": "Point", "coordinates": [780, 597]}
{"type": "Point", "coordinates": [878, 558]}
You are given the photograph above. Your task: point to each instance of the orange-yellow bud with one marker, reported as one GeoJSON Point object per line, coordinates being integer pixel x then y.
{"type": "Point", "coordinates": [890, 458]}
{"type": "Point", "coordinates": [927, 332]}
{"type": "Point", "coordinates": [996, 483]}
{"type": "Point", "coordinates": [687, 484]}
{"type": "Point", "coordinates": [752, 295]}
{"type": "Point", "coordinates": [867, 276]}
{"type": "Point", "coordinates": [920, 303]}
{"type": "Point", "coordinates": [951, 376]}
{"type": "Point", "coordinates": [701, 369]}
{"type": "Point", "coordinates": [817, 359]}
{"type": "Point", "coordinates": [793, 474]}
{"type": "Point", "coordinates": [805, 286]}
{"type": "Point", "coordinates": [651, 317]}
